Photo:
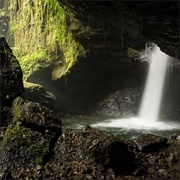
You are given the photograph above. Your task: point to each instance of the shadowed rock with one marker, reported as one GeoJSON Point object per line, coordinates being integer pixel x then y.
{"type": "Point", "coordinates": [11, 75]}
{"type": "Point", "coordinates": [30, 138]}
{"type": "Point", "coordinates": [150, 143]}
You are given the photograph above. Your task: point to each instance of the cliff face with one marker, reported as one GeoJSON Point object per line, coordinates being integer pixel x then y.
{"type": "Point", "coordinates": [40, 36]}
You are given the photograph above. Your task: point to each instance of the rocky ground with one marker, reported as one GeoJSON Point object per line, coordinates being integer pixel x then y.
{"type": "Point", "coordinates": [93, 155]}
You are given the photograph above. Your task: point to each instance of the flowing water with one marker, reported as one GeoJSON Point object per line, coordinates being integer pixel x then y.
{"type": "Point", "coordinates": [151, 102]}
{"type": "Point", "coordinates": [148, 119]}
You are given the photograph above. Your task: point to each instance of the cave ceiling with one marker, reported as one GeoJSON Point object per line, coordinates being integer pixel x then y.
{"type": "Point", "coordinates": [142, 21]}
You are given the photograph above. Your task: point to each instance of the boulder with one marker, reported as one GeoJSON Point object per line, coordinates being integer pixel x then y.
{"type": "Point", "coordinates": [92, 155]}
{"type": "Point", "coordinates": [29, 139]}
{"type": "Point", "coordinates": [121, 103]}
{"type": "Point", "coordinates": [36, 93]}
{"type": "Point", "coordinates": [150, 142]}
{"type": "Point", "coordinates": [11, 75]}
{"type": "Point", "coordinates": [10, 82]}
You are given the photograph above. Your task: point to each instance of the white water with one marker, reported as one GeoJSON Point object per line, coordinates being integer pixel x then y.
{"type": "Point", "coordinates": [136, 123]}
{"type": "Point", "coordinates": [151, 102]}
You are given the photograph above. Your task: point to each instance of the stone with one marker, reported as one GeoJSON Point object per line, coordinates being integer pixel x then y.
{"type": "Point", "coordinates": [10, 82]}
{"type": "Point", "coordinates": [11, 75]}
{"type": "Point", "coordinates": [120, 103]}
{"type": "Point", "coordinates": [92, 154]}
{"type": "Point", "coordinates": [150, 142]}
{"type": "Point", "coordinates": [36, 93]}
{"type": "Point", "coordinates": [24, 141]}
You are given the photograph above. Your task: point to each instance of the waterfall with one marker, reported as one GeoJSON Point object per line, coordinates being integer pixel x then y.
{"type": "Point", "coordinates": [148, 118]}
{"type": "Point", "coordinates": [151, 101]}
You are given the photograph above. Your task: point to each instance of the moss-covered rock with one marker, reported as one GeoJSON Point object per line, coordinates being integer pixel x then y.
{"type": "Point", "coordinates": [31, 113]}
{"type": "Point", "coordinates": [11, 84]}
{"type": "Point", "coordinates": [41, 37]}
{"type": "Point", "coordinates": [21, 145]}
{"type": "Point", "coordinates": [36, 93]}
{"type": "Point", "coordinates": [30, 137]}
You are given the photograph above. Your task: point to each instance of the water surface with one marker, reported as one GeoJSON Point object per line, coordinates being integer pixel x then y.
{"type": "Point", "coordinates": [123, 127]}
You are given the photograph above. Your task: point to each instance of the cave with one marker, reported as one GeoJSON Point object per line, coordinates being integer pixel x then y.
{"type": "Point", "coordinates": [122, 28]}
{"type": "Point", "coordinates": [80, 81]}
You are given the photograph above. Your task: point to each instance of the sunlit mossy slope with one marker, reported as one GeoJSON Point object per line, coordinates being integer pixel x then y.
{"type": "Point", "coordinates": [40, 35]}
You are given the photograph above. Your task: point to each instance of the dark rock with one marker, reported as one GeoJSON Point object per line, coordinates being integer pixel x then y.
{"type": "Point", "coordinates": [121, 103]}
{"type": "Point", "coordinates": [35, 116]}
{"type": "Point", "coordinates": [36, 93]}
{"type": "Point", "coordinates": [108, 150]}
{"type": "Point", "coordinates": [11, 75]}
{"type": "Point", "coordinates": [11, 81]}
{"type": "Point", "coordinates": [91, 155]}
{"type": "Point", "coordinates": [2, 131]}
{"type": "Point", "coordinates": [30, 138]}
{"type": "Point", "coordinates": [150, 143]}
{"type": "Point", "coordinates": [5, 116]}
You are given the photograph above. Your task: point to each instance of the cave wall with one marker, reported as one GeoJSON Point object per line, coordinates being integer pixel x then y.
{"type": "Point", "coordinates": [105, 30]}
{"type": "Point", "coordinates": [40, 36]}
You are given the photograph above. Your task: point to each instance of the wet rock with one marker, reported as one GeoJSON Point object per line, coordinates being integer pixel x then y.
{"type": "Point", "coordinates": [93, 154]}
{"type": "Point", "coordinates": [121, 103]}
{"type": "Point", "coordinates": [35, 116]}
{"type": "Point", "coordinates": [108, 150]}
{"type": "Point", "coordinates": [11, 75]}
{"type": "Point", "coordinates": [10, 82]}
{"type": "Point", "coordinates": [178, 138]}
{"type": "Point", "coordinates": [150, 143]}
{"type": "Point", "coordinates": [36, 93]}
{"type": "Point", "coordinates": [172, 158]}
{"type": "Point", "coordinates": [5, 116]}
{"type": "Point", "coordinates": [26, 140]}
{"type": "Point", "coordinates": [2, 131]}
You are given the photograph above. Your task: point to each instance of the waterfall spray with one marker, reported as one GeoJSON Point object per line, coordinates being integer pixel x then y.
{"type": "Point", "coordinates": [151, 102]}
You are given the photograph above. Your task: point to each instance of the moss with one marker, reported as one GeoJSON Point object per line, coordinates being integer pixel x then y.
{"type": "Point", "coordinates": [14, 133]}
{"type": "Point", "coordinates": [132, 53]}
{"type": "Point", "coordinates": [17, 110]}
{"type": "Point", "coordinates": [42, 37]}
{"type": "Point", "coordinates": [32, 62]}
{"type": "Point", "coordinates": [34, 148]}
{"type": "Point", "coordinates": [38, 152]}
{"type": "Point", "coordinates": [30, 85]}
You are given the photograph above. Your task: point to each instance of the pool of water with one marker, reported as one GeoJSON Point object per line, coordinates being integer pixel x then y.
{"type": "Point", "coordinates": [129, 128]}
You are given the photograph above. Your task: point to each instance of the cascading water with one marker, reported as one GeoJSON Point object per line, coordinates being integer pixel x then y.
{"type": "Point", "coordinates": [150, 105]}
{"type": "Point", "coordinates": [148, 118]}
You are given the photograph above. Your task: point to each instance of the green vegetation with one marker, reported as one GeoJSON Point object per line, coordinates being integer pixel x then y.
{"type": "Point", "coordinates": [41, 37]}
{"type": "Point", "coordinates": [14, 133]}
{"type": "Point", "coordinates": [17, 112]}
{"type": "Point", "coordinates": [34, 148]}
{"type": "Point", "coordinates": [132, 53]}
{"type": "Point", "coordinates": [38, 151]}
